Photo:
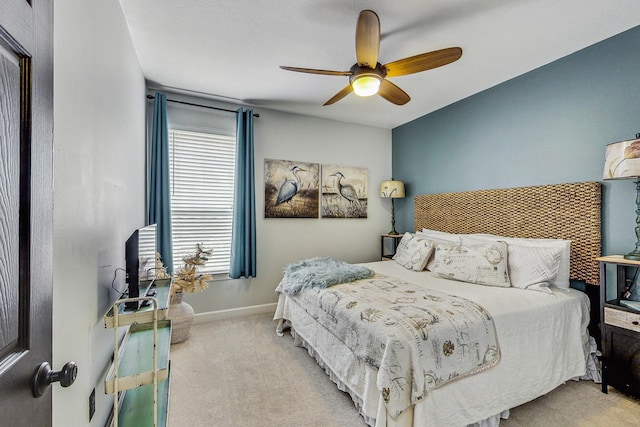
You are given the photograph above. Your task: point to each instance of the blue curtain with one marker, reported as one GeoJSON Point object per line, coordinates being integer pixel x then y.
{"type": "Point", "coordinates": [159, 196]}
{"type": "Point", "coordinates": [243, 242]}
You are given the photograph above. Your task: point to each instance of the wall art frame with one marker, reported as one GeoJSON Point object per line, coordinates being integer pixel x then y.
{"type": "Point", "coordinates": [344, 191]}
{"type": "Point", "coordinates": [291, 189]}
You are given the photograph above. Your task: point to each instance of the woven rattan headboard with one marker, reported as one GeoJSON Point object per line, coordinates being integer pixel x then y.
{"type": "Point", "coordinates": [562, 211]}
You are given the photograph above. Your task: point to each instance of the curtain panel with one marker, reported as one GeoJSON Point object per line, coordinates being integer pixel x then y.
{"type": "Point", "coordinates": [159, 196]}
{"type": "Point", "coordinates": [243, 243]}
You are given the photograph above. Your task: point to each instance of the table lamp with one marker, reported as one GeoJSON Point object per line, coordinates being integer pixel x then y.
{"type": "Point", "coordinates": [622, 161]}
{"type": "Point", "coordinates": [392, 190]}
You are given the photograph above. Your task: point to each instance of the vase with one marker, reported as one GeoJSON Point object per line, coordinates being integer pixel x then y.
{"type": "Point", "coordinates": [181, 315]}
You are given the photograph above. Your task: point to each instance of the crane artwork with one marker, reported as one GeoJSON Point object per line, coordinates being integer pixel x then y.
{"type": "Point", "coordinates": [289, 188]}
{"type": "Point", "coordinates": [347, 191]}
{"type": "Point", "coordinates": [344, 192]}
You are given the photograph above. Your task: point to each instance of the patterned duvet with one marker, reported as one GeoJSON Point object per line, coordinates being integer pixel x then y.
{"type": "Point", "coordinates": [348, 329]}
{"type": "Point", "coordinates": [417, 338]}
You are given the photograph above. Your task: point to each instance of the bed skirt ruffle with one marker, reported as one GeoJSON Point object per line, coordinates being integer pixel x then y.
{"type": "Point", "coordinates": [299, 341]}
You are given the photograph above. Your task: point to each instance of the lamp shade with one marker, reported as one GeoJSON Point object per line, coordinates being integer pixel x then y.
{"type": "Point", "coordinates": [392, 189]}
{"type": "Point", "coordinates": [622, 160]}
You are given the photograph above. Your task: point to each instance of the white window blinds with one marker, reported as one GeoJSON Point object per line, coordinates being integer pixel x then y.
{"type": "Point", "coordinates": [201, 167]}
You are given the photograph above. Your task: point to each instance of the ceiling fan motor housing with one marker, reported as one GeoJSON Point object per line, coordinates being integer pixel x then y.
{"type": "Point", "coordinates": [358, 71]}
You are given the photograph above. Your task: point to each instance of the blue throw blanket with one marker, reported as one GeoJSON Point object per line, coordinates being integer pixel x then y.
{"type": "Point", "coordinates": [321, 273]}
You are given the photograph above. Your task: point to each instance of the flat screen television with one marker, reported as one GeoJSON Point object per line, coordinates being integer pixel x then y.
{"type": "Point", "coordinates": [140, 255]}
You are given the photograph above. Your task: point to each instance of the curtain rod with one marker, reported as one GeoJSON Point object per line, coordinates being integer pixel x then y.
{"type": "Point", "coordinates": [198, 105]}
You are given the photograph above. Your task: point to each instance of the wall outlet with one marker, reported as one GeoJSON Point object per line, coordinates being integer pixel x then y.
{"type": "Point", "coordinates": [92, 404]}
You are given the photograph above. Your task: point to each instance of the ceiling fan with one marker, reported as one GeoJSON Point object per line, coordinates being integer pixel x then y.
{"type": "Point", "coordinates": [368, 77]}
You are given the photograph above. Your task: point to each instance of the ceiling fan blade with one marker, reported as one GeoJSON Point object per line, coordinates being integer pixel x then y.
{"type": "Point", "coordinates": [393, 93]}
{"type": "Point", "coordinates": [422, 62]}
{"type": "Point", "coordinates": [338, 96]}
{"type": "Point", "coordinates": [367, 39]}
{"type": "Point", "coordinates": [314, 71]}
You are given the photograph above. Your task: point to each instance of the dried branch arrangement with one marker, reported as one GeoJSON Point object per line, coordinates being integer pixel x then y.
{"type": "Point", "coordinates": [187, 279]}
{"type": "Point", "coordinates": [161, 270]}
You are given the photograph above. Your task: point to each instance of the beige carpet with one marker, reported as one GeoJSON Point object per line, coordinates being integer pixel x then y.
{"type": "Point", "coordinates": [239, 373]}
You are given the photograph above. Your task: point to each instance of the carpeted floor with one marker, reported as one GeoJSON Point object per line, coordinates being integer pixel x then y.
{"type": "Point", "coordinates": [238, 372]}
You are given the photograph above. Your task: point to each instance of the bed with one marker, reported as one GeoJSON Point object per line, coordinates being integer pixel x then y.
{"type": "Point", "coordinates": [534, 339]}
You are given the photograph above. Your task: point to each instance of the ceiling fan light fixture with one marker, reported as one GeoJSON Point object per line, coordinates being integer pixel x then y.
{"type": "Point", "coordinates": [368, 77]}
{"type": "Point", "coordinates": [366, 85]}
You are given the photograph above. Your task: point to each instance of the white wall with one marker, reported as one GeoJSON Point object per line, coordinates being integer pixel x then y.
{"type": "Point", "coordinates": [99, 120]}
{"type": "Point", "coordinates": [99, 179]}
{"type": "Point", "coordinates": [280, 241]}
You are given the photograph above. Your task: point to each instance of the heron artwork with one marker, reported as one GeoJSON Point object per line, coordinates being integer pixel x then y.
{"type": "Point", "coordinates": [347, 191]}
{"type": "Point", "coordinates": [344, 194]}
{"type": "Point", "coordinates": [289, 188]}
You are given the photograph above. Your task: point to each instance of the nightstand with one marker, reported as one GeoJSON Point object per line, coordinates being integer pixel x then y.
{"type": "Point", "coordinates": [620, 328]}
{"type": "Point", "coordinates": [388, 245]}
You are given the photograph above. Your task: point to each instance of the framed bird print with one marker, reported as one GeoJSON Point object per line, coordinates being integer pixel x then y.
{"type": "Point", "coordinates": [290, 189]}
{"type": "Point", "coordinates": [344, 191]}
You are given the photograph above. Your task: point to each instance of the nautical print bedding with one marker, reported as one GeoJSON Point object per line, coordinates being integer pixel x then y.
{"type": "Point", "coordinates": [418, 339]}
{"type": "Point", "coordinates": [543, 342]}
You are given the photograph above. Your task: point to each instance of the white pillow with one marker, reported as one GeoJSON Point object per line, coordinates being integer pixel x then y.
{"type": "Point", "coordinates": [561, 279]}
{"type": "Point", "coordinates": [436, 232]}
{"type": "Point", "coordinates": [413, 252]}
{"type": "Point", "coordinates": [484, 263]}
{"type": "Point", "coordinates": [530, 267]}
{"type": "Point", "coordinates": [438, 238]}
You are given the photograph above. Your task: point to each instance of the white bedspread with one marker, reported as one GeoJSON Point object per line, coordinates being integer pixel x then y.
{"type": "Point", "coordinates": [542, 337]}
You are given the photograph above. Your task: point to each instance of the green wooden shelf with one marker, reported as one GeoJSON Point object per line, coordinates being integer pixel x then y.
{"type": "Point", "coordinates": [136, 399]}
{"type": "Point", "coordinates": [143, 314]}
{"type": "Point", "coordinates": [136, 409]}
{"type": "Point", "coordinates": [135, 366]}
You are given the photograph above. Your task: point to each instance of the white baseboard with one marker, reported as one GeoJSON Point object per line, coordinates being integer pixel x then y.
{"type": "Point", "coordinates": [234, 312]}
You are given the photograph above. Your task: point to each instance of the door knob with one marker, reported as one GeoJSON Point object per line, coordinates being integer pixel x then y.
{"type": "Point", "coordinates": [45, 376]}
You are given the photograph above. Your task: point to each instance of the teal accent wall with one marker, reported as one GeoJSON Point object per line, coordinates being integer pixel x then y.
{"type": "Point", "coordinates": [548, 126]}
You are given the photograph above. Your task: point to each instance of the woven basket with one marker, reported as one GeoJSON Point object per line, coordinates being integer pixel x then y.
{"type": "Point", "coordinates": [181, 315]}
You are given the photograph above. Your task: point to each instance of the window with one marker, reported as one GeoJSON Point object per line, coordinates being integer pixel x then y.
{"type": "Point", "coordinates": [201, 167]}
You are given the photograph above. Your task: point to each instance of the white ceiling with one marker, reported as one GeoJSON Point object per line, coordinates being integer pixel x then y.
{"type": "Point", "coordinates": [231, 50]}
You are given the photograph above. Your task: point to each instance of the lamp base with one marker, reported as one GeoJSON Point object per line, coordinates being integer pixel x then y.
{"type": "Point", "coordinates": [635, 256]}
{"type": "Point", "coordinates": [393, 220]}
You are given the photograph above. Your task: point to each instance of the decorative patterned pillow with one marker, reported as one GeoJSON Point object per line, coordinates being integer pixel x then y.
{"type": "Point", "coordinates": [547, 247]}
{"type": "Point", "coordinates": [481, 263]}
{"type": "Point", "coordinates": [438, 238]}
{"type": "Point", "coordinates": [413, 252]}
{"type": "Point", "coordinates": [531, 266]}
